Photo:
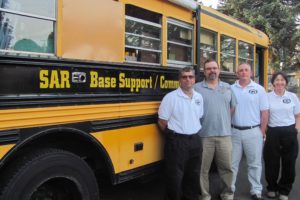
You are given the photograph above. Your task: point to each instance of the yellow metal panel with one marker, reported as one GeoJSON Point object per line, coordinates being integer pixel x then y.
{"type": "Point", "coordinates": [254, 61]}
{"type": "Point", "coordinates": [266, 64]}
{"type": "Point", "coordinates": [219, 49]}
{"type": "Point", "coordinates": [164, 44]}
{"type": "Point", "coordinates": [36, 117]}
{"type": "Point", "coordinates": [93, 30]}
{"type": "Point", "coordinates": [4, 149]}
{"type": "Point", "coordinates": [119, 144]}
{"type": "Point", "coordinates": [236, 55]}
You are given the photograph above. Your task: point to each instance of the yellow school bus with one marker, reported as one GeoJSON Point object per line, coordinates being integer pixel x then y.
{"type": "Point", "coordinates": [81, 82]}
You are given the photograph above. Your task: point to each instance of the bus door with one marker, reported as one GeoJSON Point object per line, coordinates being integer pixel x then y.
{"type": "Point", "coordinates": [259, 66]}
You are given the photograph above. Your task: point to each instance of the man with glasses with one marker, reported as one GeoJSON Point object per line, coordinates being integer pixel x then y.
{"type": "Point", "coordinates": [219, 102]}
{"type": "Point", "coordinates": [179, 118]}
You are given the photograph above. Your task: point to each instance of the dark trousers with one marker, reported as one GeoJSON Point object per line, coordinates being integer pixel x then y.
{"type": "Point", "coordinates": [182, 166]}
{"type": "Point", "coordinates": [281, 145]}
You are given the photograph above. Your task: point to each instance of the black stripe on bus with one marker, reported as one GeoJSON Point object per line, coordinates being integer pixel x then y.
{"type": "Point", "coordinates": [20, 83]}
{"type": "Point", "coordinates": [153, 168]}
{"type": "Point", "coordinates": [225, 20]}
{"type": "Point", "coordinates": [9, 137]}
{"type": "Point", "coordinates": [123, 123]}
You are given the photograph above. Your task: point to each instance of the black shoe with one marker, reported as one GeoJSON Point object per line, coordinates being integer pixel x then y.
{"type": "Point", "coordinates": [257, 197]}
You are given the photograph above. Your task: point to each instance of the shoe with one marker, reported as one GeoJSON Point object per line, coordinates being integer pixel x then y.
{"type": "Point", "coordinates": [257, 197]}
{"type": "Point", "coordinates": [271, 194]}
{"type": "Point", "coordinates": [283, 197]}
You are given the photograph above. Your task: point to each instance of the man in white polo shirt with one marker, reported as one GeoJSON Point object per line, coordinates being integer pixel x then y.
{"type": "Point", "coordinates": [249, 124]}
{"type": "Point", "coordinates": [179, 118]}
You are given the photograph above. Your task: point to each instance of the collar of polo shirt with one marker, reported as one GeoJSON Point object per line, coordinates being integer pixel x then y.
{"type": "Point", "coordinates": [251, 84]}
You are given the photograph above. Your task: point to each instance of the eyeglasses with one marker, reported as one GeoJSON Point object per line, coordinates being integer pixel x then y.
{"type": "Point", "coordinates": [187, 77]}
{"type": "Point", "coordinates": [211, 68]}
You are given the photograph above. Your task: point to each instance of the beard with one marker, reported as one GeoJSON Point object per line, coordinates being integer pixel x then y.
{"type": "Point", "coordinates": [212, 76]}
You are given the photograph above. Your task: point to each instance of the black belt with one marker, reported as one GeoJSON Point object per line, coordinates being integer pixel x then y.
{"type": "Point", "coordinates": [174, 134]}
{"type": "Point", "coordinates": [244, 127]}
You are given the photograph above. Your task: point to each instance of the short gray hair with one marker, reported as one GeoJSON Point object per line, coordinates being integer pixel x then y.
{"type": "Point", "coordinates": [186, 69]}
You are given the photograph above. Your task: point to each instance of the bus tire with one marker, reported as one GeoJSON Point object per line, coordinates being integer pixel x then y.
{"type": "Point", "coordinates": [50, 174]}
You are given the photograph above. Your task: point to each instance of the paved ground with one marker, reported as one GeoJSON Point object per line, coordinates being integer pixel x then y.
{"type": "Point", "coordinates": [153, 189]}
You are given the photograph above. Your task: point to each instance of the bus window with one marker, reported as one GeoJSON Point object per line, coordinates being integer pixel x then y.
{"type": "Point", "coordinates": [21, 24]}
{"type": "Point", "coordinates": [180, 43]}
{"type": "Point", "coordinates": [208, 46]}
{"type": "Point", "coordinates": [142, 36]}
{"type": "Point", "coordinates": [246, 53]}
{"type": "Point", "coordinates": [227, 53]}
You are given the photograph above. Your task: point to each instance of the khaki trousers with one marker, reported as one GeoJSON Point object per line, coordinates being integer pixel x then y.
{"type": "Point", "coordinates": [220, 149]}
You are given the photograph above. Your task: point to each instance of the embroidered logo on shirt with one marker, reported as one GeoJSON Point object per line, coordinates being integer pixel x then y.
{"type": "Point", "coordinates": [253, 91]}
{"type": "Point", "coordinates": [198, 102]}
{"type": "Point", "coordinates": [286, 101]}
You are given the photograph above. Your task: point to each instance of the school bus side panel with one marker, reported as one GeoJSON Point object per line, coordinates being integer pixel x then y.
{"type": "Point", "coordinates": [92, 30]}
{"type": "Point", "coordinates": [120, 145]}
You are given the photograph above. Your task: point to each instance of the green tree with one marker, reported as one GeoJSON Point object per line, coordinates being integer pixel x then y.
{"type": "Point", "coordinates": [278, 19]}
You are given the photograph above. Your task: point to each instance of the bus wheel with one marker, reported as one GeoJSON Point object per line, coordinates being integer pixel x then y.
{"type": "Point", "coordinates": [50, 174]}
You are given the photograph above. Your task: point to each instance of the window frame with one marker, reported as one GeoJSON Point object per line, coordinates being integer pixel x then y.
{"type": "Point", "coordinates": [243, 58]}
{"type": "Point", "coordinates": [216, 51]}
{"type": "Point", "coordinates": [183, 25]}
{"type": "Point", "coordinates": [33, 16]}
{"type": "Point", "coordinates": [127, 17]}
{"type": "Point", "coordinates": [234, 56]}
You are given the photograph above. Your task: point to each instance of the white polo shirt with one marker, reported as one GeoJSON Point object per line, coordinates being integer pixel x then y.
{"type": "Point", "coordinates": [251, 100]}
{"type": "Point", "coordinates": [182, 112]}
{"type": "Point", "coordinates": [283, 109]}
